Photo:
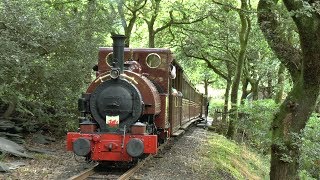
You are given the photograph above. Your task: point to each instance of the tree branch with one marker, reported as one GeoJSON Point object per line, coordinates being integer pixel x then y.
{"type": "Point", "coordinates": [61, 3]}
{"type": "Point", "coordinates": [138, 8]}
{"type": "Point", "coordinates": [209, 64]}
{"type": "Point", "coordinates": [270, 25]}
{"type": "Point", "coordinates": [232, 7]}
{"type": "Point", "coordinates": [173, 22]}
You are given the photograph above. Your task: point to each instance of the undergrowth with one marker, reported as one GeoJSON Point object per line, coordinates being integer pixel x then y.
{"type": "Point", "coordinates": [237, 160]}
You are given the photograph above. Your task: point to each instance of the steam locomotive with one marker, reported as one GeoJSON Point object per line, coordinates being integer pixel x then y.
{"type": "Point", "coordinates": [140, 98]}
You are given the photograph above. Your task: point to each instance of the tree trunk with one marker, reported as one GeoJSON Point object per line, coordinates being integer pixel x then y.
{"type": "Point", "coordinates": [243, 37]}
{"type": "Point", "coordinates": [245, 92]}
{"type": "Point", "coordinates": [280, 84]}
{"type": "Point", "coordinates": [269, 88]}
{"type": "Point", "coordinates": [138, 5]}
{"type": "Point", "coordinates": [255, 90]}
{"type": "Point", "coordinates": [287, 125]}
{"type": "Point", "coordinates": [226, 102]}
{"type": "Point", "coordinates": [233, 110]}
{"type": "Point", "coordinates": [294, 114]}
{"type": "Point", "coordinates": [206, 84]}
{"type": "Point", "coordinates": [151, 39]}
{"type": "Point", "coordinates": [304, 68]}
{"type": "Point", "coordinates": [126, 28]}
{"type": "Point", "coordinates": [317, 108]}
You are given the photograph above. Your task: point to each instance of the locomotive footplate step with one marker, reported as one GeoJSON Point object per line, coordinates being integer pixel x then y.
{"type": "Point", "coordinates": [178, 133]}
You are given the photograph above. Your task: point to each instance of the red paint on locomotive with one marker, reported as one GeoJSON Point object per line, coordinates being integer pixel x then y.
{"type": "Point", "coordinates": [112, 147]}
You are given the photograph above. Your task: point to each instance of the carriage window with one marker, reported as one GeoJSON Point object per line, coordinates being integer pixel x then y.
{"type": "Point", "coordinates": [109, 59]}
{"type": "Point", "coordinates": [153, 60]}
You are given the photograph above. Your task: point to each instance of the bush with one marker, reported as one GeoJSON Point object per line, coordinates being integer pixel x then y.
{"type": "Point", "coordinates": [46, 57]}
{"type": "Point", "coordinates": [254, 123]}
{"type": "Point", "coordinates": [310, 149]}
{"type": "Point", "coordinates": [215, 104]}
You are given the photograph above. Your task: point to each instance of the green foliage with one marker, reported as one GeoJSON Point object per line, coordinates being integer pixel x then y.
{"type": "Point", "coordinates": [307, 9]}
{"type": "Point", "coordinates": [254, 122]}
{"type": "Point", "coordinates": [255, 119]}
{"type": "Point", "coordinates": [215, 104]}
{"type": "Point", "coordinates": [47, 51]}
{"type": "Point", "coordinates": [3, 156]}
{"type": "Point", "coordinates": [39, 156]}
{"type": "Point", "coordinates": [310, 149]}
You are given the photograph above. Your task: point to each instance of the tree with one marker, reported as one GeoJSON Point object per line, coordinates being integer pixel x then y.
{"type": "Point", "coordinates": [303, 66]}
{"type": "Point", "coordinates": [243, 37]}
{"type": "Point", "coordinates": [159, 18]}
{"type": "Point", "coordinates": [47, 49]}
{"type": "Point", "coordinates": [280, 84]}
{"type": "Point", "coordinates": [220, 49]}
{"type": "Point", "coordinates": [128, 21]}
{"type": "Point", "coordinates": [259, 66]}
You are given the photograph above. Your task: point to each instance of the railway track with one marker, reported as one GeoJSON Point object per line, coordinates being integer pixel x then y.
{"type": "Point", "coordinates": [114, 172]}
{"type": "Point", "coordinates": [84, 174]}
{"type": "Point", "coordinates": [124, 172]}
{"type": "Point", "coordinates": [103, 172]}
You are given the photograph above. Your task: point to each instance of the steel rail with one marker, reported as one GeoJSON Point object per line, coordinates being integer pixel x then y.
{"type": "Point", "coordinates": [84, 174]}
{"type": "Point", "coordinates": [125, 176]}
{"type": "Point", "coordinates": [140, 164]}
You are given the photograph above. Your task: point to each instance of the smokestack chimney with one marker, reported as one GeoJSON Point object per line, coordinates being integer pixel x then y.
{"type": "Point", "coordinates": [118, 50]}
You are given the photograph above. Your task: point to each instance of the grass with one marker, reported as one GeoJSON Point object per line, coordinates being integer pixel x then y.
{"type": "Point", "coordinates": [39, 156]}
{"type": "Point", "coordinates": [236, 160]}
{"type": "Point", "coordinates": [2, 156]}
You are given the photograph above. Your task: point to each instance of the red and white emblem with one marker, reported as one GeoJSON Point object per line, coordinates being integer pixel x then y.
{"type": "Point", "coordinates": [112, 121]}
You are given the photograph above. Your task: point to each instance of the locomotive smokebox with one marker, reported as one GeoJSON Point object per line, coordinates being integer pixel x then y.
{"type": "Point", "coordinates": [118, 51]}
